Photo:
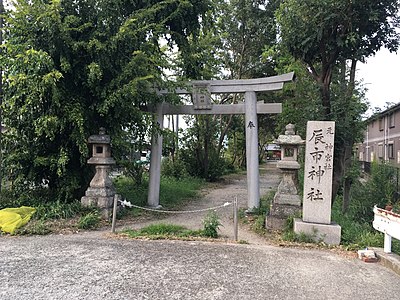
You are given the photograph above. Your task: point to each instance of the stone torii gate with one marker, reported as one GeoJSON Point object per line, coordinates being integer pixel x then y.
{"type": "Point", "coordinates": [201, 91]}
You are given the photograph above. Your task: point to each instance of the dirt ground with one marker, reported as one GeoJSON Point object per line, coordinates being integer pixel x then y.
{"type": "Point", "coordinates": [220, 193]}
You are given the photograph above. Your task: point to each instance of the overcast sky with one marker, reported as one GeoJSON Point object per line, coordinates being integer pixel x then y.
{"type": "Point", "coordinates": [381, 78]}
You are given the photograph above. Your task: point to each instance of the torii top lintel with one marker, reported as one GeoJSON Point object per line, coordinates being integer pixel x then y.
{"type": "Point", "coordinates": [272, 83]}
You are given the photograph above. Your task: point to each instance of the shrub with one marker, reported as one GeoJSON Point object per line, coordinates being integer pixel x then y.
{"type": "Point", "coordinates": [134, 170]}
{"type": "Point", "coordinates": [89, 221]}
{"type": "Point", "coordinates": [176, 168]}
{"type": "Point", "coordinates": [378, 190]}
{"type": "Point", "coordinates": [38, 227]}
{"type": "Point", "coordinates": [361, 235]}
{"type": "Point", "coordinates": [211, 224]}
{"type": "Point", "coordinates": [58, 210]}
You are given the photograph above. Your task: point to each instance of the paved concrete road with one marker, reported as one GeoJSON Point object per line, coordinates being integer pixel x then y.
{"type": "Point", "coordinates": [92, 266]}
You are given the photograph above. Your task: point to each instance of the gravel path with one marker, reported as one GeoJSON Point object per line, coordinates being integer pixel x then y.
{"type": "Point", "coordinates": [233, 186]}
{"type": "Point", "coordinates": [98, 265]}
{"type": "Point", "coordinates": [89, 266]}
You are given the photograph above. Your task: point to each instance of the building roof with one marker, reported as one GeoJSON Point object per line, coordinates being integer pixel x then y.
{"type": "Point", "coordinates": [387, 111]}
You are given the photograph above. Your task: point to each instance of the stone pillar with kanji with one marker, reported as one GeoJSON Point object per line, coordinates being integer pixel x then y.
{"type": "Point", "coordinates": [317, 194]}
{"type": "Point", "coordinates": [101, 191]}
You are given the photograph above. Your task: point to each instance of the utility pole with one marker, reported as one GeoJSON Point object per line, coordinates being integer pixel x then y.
{"type": "Point", "coordinates": [1, 94]}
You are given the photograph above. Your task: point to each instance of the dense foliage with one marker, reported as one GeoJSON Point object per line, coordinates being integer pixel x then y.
{"type": "Point", "coordinates": [378, 188]}
{"type": "Point", "coordinates": [74, 66]}
{"type": "Point", "coordinates": [329, 38]}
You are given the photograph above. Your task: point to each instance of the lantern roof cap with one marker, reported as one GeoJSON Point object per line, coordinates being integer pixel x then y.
{"type": "Point", "coordinates": [289, 138]}
{"type": "Point", "coordinates": [101, 138]}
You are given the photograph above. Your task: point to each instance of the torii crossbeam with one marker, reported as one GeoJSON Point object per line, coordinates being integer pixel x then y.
{"type": "Point", "coordinates": [200, 91]}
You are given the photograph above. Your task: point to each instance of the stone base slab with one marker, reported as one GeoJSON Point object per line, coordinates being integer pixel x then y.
{"type": "Point", "coordinates": [278, 215]}
{"type": "Point", "coordinates": [274, 223]}
{"type": "Point", "coordinates": [286, 199]}
{"type": "Point", "coordinates": [328, 233]}
{"type": "Point", "coordinates": [284, 211]}
{"type": "Point", "coordinates": [105, 204]}
{"type": "Point", "coordinates": [99, 192]}
{"type": "Point", "coordinates": [100, 202]}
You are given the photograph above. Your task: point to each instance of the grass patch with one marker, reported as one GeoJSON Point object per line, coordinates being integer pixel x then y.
{"type": "Point", "coordinates": [58, 210]}
{"type": "Point", "coordinates": [289, 235]}
{"type": "Point", "coordinates": [34, 227]}
{"type": "Point", "coordinates": [173, 193]}
{"type": "Point", "coordinates": [172, 231]}
{"type": "Point", "coordinates": [54, 216]}
{"type": "Point", "coordinates": [90, 220]}
{"type": "Point", "coordinates": [163, 231]}
{"type": "Point", "coordinates": [256, 220]}
{"type": "Point", "coordinates": [258, 225]}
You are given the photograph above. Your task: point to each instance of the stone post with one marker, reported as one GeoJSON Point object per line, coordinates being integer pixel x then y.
{"type": "Point", "coordinates": [101, 191]}
{"type": "Point", "coordinates": [317, 194]}
{"type": "Point", "coordinates": [286, 201]}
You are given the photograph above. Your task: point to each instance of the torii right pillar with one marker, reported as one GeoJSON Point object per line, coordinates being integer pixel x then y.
{"type": "Point", "coordinates": [253, 181]}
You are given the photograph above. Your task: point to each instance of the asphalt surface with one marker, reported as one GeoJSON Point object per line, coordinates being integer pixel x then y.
{"type": "Point", "coordinates": [93, 265]}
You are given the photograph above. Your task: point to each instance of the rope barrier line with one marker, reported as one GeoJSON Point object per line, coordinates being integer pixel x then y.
{"type": "Point", "coordinates": [125, 203]}
{"type": "Point", "coordinates": [128, 204]}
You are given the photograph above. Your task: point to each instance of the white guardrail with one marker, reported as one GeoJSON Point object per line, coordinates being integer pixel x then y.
{"type": "Point", "coordinates": [387, 222]}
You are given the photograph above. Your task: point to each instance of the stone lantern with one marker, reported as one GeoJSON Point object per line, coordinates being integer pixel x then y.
{"type": "Point", "coordinates": [101, 191]}
{"type": "Point", "coordinates": [286, 202]}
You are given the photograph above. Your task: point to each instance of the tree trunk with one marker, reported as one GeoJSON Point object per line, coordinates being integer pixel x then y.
{"type": "Point", "coordinates": [325, 82]}
{"type": "Point", "coordinates": [223, 134]}
{"type": "Point", "coordinates": [343, 158]}
{"type": "Point", "coordinates": [348, 154]}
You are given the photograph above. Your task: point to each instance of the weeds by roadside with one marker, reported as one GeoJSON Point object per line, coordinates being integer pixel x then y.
{"type": "Point", "coordinates": [211, 224]}
{"type": "Point", "coordinates": [257, 218]}
{"type": "Point", "coordinates": [359, 234]}
{"type": "Point", "coordinates": [162, 231]}
{"type": "Point", "coordinates": [90, 220]}
{"type": "Point", "coordinates": [71, 217]}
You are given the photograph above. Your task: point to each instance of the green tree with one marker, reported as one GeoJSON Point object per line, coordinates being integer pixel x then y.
{"type": "Point", "coordinates": [74, 66]}
{"type": "Point", "coordinates": [325, 36]}
{"type": "Point", "coordinates": [232, 48]}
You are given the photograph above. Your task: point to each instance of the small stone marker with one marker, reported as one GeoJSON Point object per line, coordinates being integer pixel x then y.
{"type": "Point", "coordinates": [317, 194]}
